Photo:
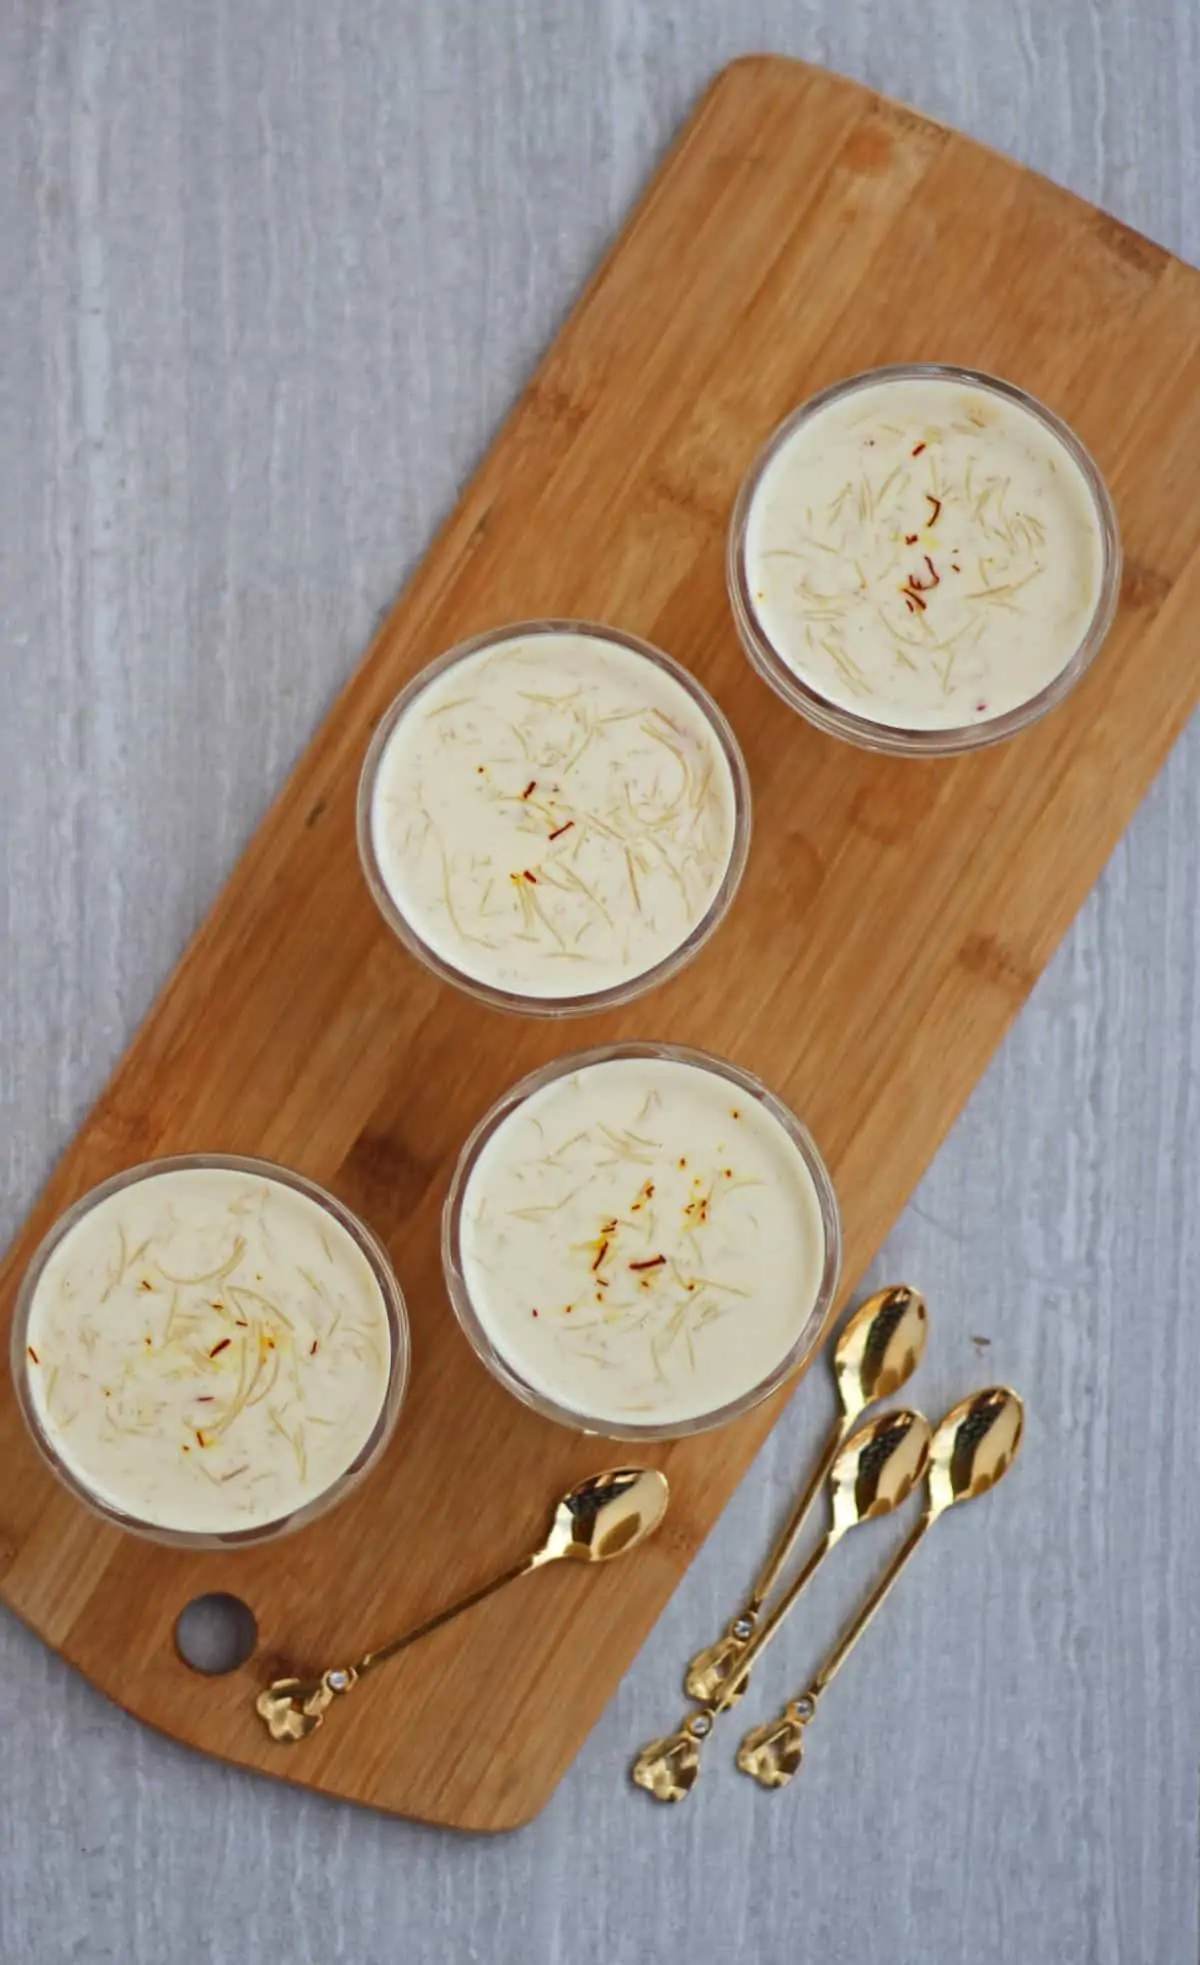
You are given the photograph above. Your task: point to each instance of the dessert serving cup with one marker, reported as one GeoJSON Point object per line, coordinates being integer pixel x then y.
{"type": "Point", "coordinates": [554, 817]}
{"type": "Point", "coordinates": [210, 1350]}
{"type": "Point", "coordinates": [923, 560]}
{"type": "Point", "coordinates": [641, 1241]}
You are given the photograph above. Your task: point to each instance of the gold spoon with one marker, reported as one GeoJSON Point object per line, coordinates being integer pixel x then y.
{"type": "Point", "coordinates": [972, 1449]}
{"type": "Point", "coordinates": [875, 1471]}
{"type": "Point", "coordinates": [877, 1351]}
{"type": "Point", "coordinates": [603, 1517]}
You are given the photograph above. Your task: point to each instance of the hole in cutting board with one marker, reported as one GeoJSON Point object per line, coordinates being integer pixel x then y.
{"type": "Point", "coordinates": [215, 1634]}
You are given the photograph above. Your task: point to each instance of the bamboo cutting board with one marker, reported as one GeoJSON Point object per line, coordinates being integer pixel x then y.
{"type": "Point", "coordinates": [893, 919]}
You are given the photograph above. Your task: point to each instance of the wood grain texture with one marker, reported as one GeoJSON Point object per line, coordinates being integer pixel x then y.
{"type": "Point", "coordinates": [894, 917]}
{"type": "Point", "coordinates": [1084, 1134]}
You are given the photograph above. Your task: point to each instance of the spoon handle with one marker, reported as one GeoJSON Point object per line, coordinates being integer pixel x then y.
{"type": "Point", "coordinates": [771, 1753]}
{"type": "Point", "coordinates": [866, 1611]}
{"type": "Point", "coordinates": [784, 1542]}
{"type": "Point", "coordinates": [292, 1708]}
{"type": "Point", "coordinates": [712, 1668]}
{"type": "Point", "coordinates": [669, 1767]}
{"type": "Point", "coordinates": [372, 1659]}
{"type": "Point", "coordinates": [735, 1684]}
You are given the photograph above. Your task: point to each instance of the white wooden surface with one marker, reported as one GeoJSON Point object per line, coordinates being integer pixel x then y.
{"type": "Point", "coordinates": [273, 270]}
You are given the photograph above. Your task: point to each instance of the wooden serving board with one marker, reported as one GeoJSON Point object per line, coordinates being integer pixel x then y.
{"type": "Point", "coordinates": [894, 916]}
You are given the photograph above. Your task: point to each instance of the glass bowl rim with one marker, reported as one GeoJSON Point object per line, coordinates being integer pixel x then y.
{"type": "Point", "coordinates": [675, 959]}
{"type": "Point", "coordinates": [893, 739]}
{"type": "Point", "coordinates": [399, 1369]}
{"type": "Point", "coordinates": [794, 1359]}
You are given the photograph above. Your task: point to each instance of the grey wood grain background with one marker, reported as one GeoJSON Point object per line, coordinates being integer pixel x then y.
{"type": "Point", "coordinates": [272, 271]}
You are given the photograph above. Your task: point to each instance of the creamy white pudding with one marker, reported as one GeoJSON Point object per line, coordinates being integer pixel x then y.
{"type": "Point", "coordinates": [924, 552]}
{"type": "Point", "coordinates": [553, 815]}
{"type": "Point", "coordinates": [207, 1350]}
{"type": "Point", "coordinates": [643, 1241]}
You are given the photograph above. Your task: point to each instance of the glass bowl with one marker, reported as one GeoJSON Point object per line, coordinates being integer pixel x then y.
{"type": "Point", "coordinates": [626, 990]}
{"type": "Point", "coordinates": [366, 1244]}
{"type": "Point", "coordinates": [747, 1087]}
{"type": "Point", "coordinates": [834, 718]}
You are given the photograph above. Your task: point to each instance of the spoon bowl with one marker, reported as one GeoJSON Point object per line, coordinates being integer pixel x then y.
{"type": "Point", "coordinates": [607, 1515]}
{"type": "Point", "coordinates": [974, 1446]}
{"type": "Point", "coordinates": [879, 1347]}
{"type": "Point", "coordinates": [878, 1468]}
